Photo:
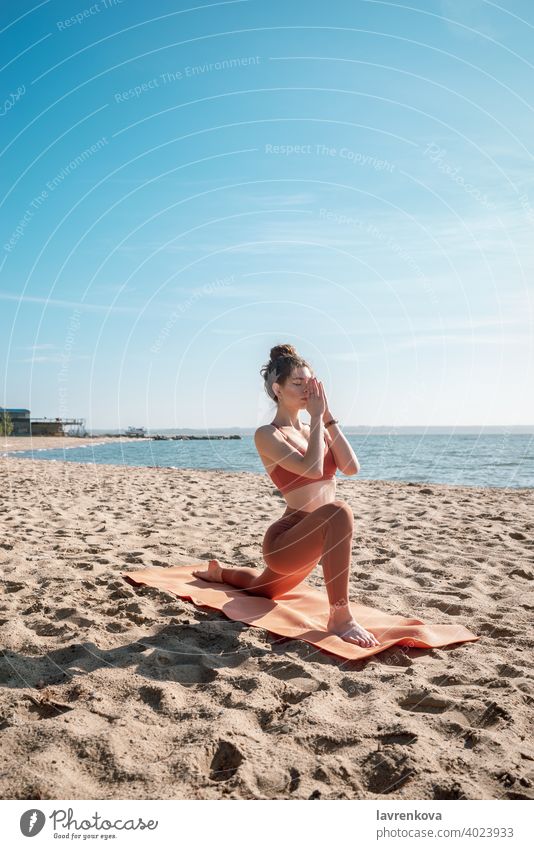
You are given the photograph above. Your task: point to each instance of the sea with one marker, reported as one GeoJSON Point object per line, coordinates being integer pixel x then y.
{"type": "Point", "coordinates": [477, 458]}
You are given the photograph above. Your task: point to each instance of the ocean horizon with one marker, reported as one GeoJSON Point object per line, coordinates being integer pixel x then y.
{"type": "Point", "coordinates": [347, 429]}
{"type": "Point", "coordinates": [502, 459]}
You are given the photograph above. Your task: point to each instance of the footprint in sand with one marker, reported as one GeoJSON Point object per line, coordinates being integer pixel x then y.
{"type": "Point", "coordinates": [294, 782]}
{"type": "Point", "coordinates": [493, 714]}
{"type": "Point", "coordinates": [464, 583]}
{"type": "Point", "coordinates": [35, 607]}
{"type": "Point", "coordinates": [134, 612]}
{"type": "Point", "coordinates": [301, 688]}
{"type": "Point", "coordinates": [452, 680]}
{"type": "Point", "coordinates": [388, 769]}
{"type": "Point", "coordinates": [65, 612]}
{"type": "Point", "coordinates": [397, 735]}
{"type": "Point", "coordinates": [451, 790]}
{"type": "Point", "coordinates": [326, 744]}
{"type": "Point", "coordinates": [121, 593]}
{"type": "Point", "coordinates": [422, 580]}
{"type": "Point", "coordinates": [421, 701]}
{"type": "Point", "coordinates": [247, 685]}
{"type": "Point", "coordinates": [153, 696]}
{"type": "Point", "coordinates": [509, 671]}
{"type": "Point", "coordinates": [133, 556]}
{"type": "Point", "coordinates": [450, 607]}
{"type": "Point", "coordinates": [353, 688]}
{"type": "Point", "coordinates": [522, 573]}
{"type": "Point", "coordinates": [491, 630]}
{"type": "Point", "coordinates": [225, 762]}
{"type": "Point", "coordinates": [47, 629]}
{"type": "Point", "coordinates": [116, 628]}
{"type": "Point", "coordinates": [189, 674]}
{"type": "Point", "coordinates": [285, 671]}
{"type": "Point", "coordinates": [82, 621]}
{"type": "Point", "coordinates": [13, 587]}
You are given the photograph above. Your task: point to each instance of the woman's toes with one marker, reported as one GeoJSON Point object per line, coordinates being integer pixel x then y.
{"type": "Point", "coordinates": [354, 633]}
{"type": "Point", "coordinates": [212, 573]}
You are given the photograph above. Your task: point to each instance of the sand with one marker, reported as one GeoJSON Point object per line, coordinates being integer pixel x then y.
{"type": "Point", "coordinates": [13, 444]}
{"type": "Point", "coordinates": [112, 692]}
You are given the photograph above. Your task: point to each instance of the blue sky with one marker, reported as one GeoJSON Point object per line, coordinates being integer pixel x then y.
{"type": "Point", "coordinates": [186, 185]}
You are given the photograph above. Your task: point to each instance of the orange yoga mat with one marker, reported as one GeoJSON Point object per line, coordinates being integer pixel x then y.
{"type": "Point", "coordinates": [300, 614]}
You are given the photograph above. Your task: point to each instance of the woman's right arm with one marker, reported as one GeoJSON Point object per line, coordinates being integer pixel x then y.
{"type": "Point", "coordinates": [276, 448]}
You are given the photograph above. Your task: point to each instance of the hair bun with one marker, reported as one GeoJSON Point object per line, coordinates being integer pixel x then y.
{"type": "Point", "coordinates": [283, 351]}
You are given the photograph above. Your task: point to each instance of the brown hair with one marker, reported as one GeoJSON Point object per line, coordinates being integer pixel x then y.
{"type": "Point", "coordinates": [284, 358]}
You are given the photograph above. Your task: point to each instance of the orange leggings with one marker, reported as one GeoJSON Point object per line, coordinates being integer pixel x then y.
{"type": "Point", "coordinates": [294, 545]}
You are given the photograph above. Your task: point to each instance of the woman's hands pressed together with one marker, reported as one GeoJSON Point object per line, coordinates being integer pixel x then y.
{"type": "Point", "coordinates": [316, 402]}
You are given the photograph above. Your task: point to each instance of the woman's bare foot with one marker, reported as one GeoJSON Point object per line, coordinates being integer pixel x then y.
{"type": "Point", "coordinates": [342, 623]}
{"type": "Point", "coordinates": [212, 573]}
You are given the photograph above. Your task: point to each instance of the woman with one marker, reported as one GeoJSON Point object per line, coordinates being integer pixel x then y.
{"type": "Point", "coordinates": [315, 526]}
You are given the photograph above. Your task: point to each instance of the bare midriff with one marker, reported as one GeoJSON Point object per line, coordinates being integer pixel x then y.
{"type": "Point", "coordinates": [312, 495]}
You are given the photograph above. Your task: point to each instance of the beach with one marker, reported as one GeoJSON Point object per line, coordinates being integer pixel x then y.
{"type": "Point", "coordinates": [13, 444]}
{"type": "Point", "coordinates": [116, 692]}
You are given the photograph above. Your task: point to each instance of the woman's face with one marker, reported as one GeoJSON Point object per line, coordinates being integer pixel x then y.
{"type": "Point", "coordinates": [294, 392]}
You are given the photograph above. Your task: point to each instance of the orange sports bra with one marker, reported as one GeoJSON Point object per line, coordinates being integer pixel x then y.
{"type": "Point", "coordinates": [285, 480]}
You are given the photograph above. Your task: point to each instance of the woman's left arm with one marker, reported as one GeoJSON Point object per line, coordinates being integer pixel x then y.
{"type": "Point", "coordinates": [346, 459]}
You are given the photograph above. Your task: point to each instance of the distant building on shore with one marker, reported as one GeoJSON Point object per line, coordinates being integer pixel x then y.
{"type": "Point", "coordinates": [20, 419]}
{"type": "Point", "coordinates": [23, 425]}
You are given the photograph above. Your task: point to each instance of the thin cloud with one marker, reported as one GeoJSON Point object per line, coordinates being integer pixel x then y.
{"type": "Point", "coordinates": [54, 302]}
{"type": "Point", "coordinates": [56, 358]}
{"type": "Point", "coordinates": [44, 347]}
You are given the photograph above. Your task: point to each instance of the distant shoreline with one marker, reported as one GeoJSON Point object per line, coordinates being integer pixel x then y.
{"type": "Point", "coordinates": [350, 429]}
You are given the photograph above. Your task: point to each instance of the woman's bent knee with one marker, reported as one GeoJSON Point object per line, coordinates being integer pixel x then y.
{"type": "Point", "coordinates": [339, 510]}
{"type": "Point", "coordinates": [343, 505]}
